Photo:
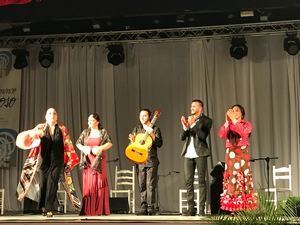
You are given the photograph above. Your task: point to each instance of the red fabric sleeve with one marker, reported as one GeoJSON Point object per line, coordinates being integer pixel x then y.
{"type": "Point", "coordinates": [13, 2]}
{"type": "Point", "coordinates": [223, 131]}
{"type": "Point", "coordinates": [243, 128]}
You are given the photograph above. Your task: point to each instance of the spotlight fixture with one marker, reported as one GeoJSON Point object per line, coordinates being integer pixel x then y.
{"type": "Point", "coordinates": [96, 26]}
{"type": "Point", "coordinates": [246, 13]}
{"type": "Point", "coordinates": [26, 29]}
{"type": "Point", "coordinates": [156, 21]}
{"type": "Point", "coordinates": [180, 18]}
{"type": "Point", "coordinates": [238, 47]}
{"type": "Point", "coordinates": [115, 55]}
{"type": "Point", "coordinates": [21, 58]}
{"type": "Point", "coordinates": [46, 57]}
{"type": "Point", "coordinates": [291, 44]}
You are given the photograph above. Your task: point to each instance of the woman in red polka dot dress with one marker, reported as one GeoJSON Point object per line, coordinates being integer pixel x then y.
{"type": "Point", "coordinates": [238, 193]}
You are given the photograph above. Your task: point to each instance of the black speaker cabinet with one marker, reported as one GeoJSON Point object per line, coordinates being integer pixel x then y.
{"type": "Point", "coordinates": [119, 205]}
{"type": "Point", "coordinates": [30, 207]}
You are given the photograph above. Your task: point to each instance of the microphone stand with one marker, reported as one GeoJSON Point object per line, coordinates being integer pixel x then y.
{"type": "Point", "coordinates": [157, 196]}
{"type": "Point", "coordinates": [267, 159]}
{"type": "Point", "coordinates": [112, 160]}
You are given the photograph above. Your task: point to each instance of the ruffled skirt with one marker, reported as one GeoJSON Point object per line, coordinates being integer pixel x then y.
{"type": "Point", "coordinates": [238, 192]}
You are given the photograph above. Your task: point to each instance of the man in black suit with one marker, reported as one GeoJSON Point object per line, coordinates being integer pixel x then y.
{"type": "Point", "coordinates": [195, 152]}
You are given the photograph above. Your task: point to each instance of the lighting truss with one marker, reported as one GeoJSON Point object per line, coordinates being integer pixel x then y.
{"type": "Point", "coordinates": [140, 36]}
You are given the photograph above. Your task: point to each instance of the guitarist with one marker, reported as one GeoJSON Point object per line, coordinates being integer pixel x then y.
{"type": "Point", "coordinates": [147, 172]}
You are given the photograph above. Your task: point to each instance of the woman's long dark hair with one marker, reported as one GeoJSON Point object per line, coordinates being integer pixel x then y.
{"type": "Point", "coordinates": [96, 117]}
{"type": "Point", "coordinates": [56, 133]}
{"type": "Point", "coordinates": [241, 108]}
{"type": "Point", "coordinates": [233, 136]}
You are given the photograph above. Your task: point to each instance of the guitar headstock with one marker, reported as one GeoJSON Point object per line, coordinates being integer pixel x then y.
{"type": "Point", "coordinates": [157, 113]}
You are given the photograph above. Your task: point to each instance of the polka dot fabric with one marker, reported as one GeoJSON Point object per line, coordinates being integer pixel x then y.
{"type": "Point", "coordinates": [238, 193]}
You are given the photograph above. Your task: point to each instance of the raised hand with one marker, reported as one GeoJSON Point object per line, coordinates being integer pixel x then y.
{"type": "Point", "coordinates": [191, 120]}
{"type": "Point", "coordinates": [229, 115]}
{"type": "Point", "coordinates": [38, 131]}
{"type": "Point", "coordinates": [184, 122]}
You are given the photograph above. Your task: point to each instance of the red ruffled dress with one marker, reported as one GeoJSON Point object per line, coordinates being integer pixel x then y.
{"type": "Point", "coordinates": [95, 193]}
{"type": "Point", "coordinates": [238, 192]}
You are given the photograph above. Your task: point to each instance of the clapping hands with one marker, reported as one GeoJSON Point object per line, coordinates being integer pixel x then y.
{"type": "Point", "coordinates": [187, 123]}
{"type": "Point", "coordinates": [184, 122]}
{"type": "Point", "coordinates": [230, 116]}
{"type": "Point", "coordinates": [86, 150]}
{"type": "Point", "coordinates": [96, 150]}
{"type": "Point", "coordinates": [191, 120]}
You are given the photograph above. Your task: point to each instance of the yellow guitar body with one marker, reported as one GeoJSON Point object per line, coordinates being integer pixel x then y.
{"type": "Point", "coordinates": [138, 150]}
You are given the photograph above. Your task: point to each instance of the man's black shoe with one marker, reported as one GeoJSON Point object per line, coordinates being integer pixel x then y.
{"type": "Point", "coordinates": [151, 212]}
{"type": "Point", "coordinates": [201, 213]}
{"type": "Point", "coordinates": [142, 212]}
{"type": "Point", "coordinates": [189, 213]}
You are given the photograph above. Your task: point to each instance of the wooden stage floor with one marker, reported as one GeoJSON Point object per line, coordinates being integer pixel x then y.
{"type": "Point", "coordinates": [128, 219]}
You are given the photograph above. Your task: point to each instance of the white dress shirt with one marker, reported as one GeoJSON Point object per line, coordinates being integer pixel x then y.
{"type": "Point", "coordinates": [191, 151]}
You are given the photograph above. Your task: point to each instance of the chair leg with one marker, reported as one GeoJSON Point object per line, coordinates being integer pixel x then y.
{"type": "Point", "coordinates": [180, 201]}
{"type": "Point", "coordinates": [65, 206]}
{"type": "Point", "coordinates": [2, 201]}
{"type": "Point", "coordinates": [275, 199]}
{"type": "Point", "coordinates": [133, 204]}
{"type": "Point", "coordinates": [129, 202]}
{"type": "Point", "coordinates": [198, 200]}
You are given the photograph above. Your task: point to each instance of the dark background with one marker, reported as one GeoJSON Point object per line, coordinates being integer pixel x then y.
{"type": "Point", "coordinates": [75, 16]}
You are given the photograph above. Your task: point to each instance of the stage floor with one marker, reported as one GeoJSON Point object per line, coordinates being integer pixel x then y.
{"type": "Point", "coordinates": [128, 219]}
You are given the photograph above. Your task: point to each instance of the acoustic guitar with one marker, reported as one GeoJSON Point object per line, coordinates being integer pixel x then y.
{"type": "Point", "coordinates": [137, 151]}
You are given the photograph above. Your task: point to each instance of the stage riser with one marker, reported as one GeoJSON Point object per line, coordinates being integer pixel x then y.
{"type": "Point", "coordinates": [109, 223]}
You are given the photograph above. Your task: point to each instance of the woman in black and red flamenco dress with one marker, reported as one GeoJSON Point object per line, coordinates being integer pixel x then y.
{"type": "Point", "coordinates": [93, 143]}
{"type": "Point", "coordinates": [238, 193]}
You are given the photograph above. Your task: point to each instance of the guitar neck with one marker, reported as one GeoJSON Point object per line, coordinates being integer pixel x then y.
{"type": "Point", "coordinates": [151, 125]}
{"type": "Point", "coordinates": [153, 121]}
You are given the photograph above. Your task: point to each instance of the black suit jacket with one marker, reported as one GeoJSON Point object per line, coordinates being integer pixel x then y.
{"type": "Point", "coordinates": [199, 132]}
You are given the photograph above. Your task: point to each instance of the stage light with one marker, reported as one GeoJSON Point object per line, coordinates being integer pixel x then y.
{"type": "Point", "coordinates": [238, 48]}
{"type": "Point", "coordinates": [291, 44]}
{"type": "Point", "coordinates": [46, 57]}
{"type": "Point", "coordinates": [26, 29]}
{"type": "Point", "coordinates": [180, 19]}
{"type": "Point", "coordinates": [21, 58]}
{"type": "Point", "coordinates": [96, 26]}
{"type": "Point", "coordinates": [247, 13]}
{"type": "Point", "coordinates": [115, 55]}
